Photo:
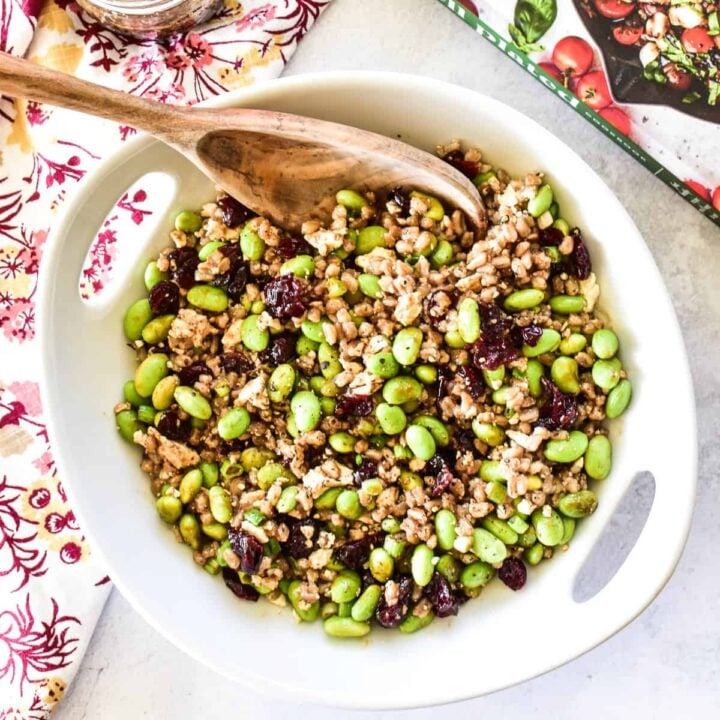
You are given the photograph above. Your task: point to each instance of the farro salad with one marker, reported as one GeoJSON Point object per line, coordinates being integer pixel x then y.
{"type": "Point", "coordinates": [373, 418]}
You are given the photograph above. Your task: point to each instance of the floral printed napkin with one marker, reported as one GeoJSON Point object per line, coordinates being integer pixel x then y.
{"type": "Point", "coordinates": [51, 588]}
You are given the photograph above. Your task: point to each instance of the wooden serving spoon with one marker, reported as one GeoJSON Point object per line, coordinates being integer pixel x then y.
{"type": "Point", "coordinates": [285, 167]}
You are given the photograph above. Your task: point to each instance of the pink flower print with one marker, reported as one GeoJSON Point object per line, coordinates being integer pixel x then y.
{"type": "Point", "coordinates": [11, 266]}
{"type": "Point", "coordinates": [70, 553]}
{"type": "Point", "coordinates": [36, 113]}
{"type": "Point", "coordinates": [256, 18]}
{"type": "Point", "coordinates": [55, 523]}
{"type": "Point", "coordinates": [140, 67]}
{"type": "Point", "coordinates": [18, 320]}
{"type": "Point", "coordinates": [30, 256]}
{"type": "Point", "coordinates": [44, 463]}
{"type": "Point", "coordinates": [193, 51]}
{"type": "Point", "coordinates": [174, 93]}
{"type": "Point", "coordinates": [40, 498]}
{"type": "Point", "coordinates": [28, 393]}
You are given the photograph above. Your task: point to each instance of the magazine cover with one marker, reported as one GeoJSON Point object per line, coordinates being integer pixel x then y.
{"type": "Point", "coordinates": [647, 74]}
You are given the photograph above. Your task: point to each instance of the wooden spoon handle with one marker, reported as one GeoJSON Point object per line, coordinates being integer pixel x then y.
{"type": "Point", "coordinates": [21, 78]}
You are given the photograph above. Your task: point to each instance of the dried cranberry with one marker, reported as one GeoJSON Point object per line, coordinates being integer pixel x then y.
{"type": "Point", "coordinates": [183, 263]}
{"type": "Point", "coordinates": [391, 616]}
{"type": "Point", "coordinates": [313, 455]}
{"type": "Point", "coordinates": [463, 440]}
{"type": "Point", "coordinates": [444, 378]}
{"type": "Point", "coordinates": [289, 246]}
{"type": "Point", "coordinates": [191, 374]}
{"type": "Point", "coordinates": [238, 282]}
{"type": "Point", "coordinates": [441, 597]}
{"type": "Point", "coordinates": [164, 298]}
{"type": "Point", "coordinates": [437, 304]}
{"type": "Point", "coordinates": [401, 199]}
{"type": "Point", "coordinates": [551, 236]}
{"type": "Point", "coordinates": [172, 427]}
{"type": "Point", "coordinates": [531, 334]}
{"type": "Point", "coordinates": [239, 589]}
{"type": "Point", "coordinates": [236, 362]}
{"type": "Point", "coordinates": [440, 468]}
{"type": "Point", "coordinates": [354, 554]}
{"type": "Point", "coordinates": [280, 351]}
{"type": "Point", "coordinates": [580, 256]}
{"type": "Point", "coordinates": [559, 411]}
{"type": "Point", "coordinates": [285, 296]}
{"type": "Point", "coordinates": [360, 405]}
{"type": "Point", "coordinates": [233, 211]}
{"type": "Point", "coordinates": [364, 471]}
{"type": "Point", "coordinates": [299, 545]}
{"type": "Point", "coordinates": [247, 548]}
{"type": "Point", "coordinates": [513, 573]}
{"type": "Point", "coordinates": [456, 158]}
{"type": "Point", "coordinates": [473, 381]}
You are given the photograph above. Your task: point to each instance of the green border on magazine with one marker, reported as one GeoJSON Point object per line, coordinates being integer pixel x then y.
{"type": "Point", "coordinates": [564, 94]}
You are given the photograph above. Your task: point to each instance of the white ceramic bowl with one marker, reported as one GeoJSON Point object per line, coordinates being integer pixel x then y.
{"type": "Point", "coordinates": [497, 640]}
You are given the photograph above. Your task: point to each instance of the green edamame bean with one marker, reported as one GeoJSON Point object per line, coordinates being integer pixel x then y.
{"type": "Point", "coordinates": [233, 423]}
{"type": "Point", "coordinates": [369, 238]}
{"type": "Point", "coordinates": [606, 373]}
{"type": "Point", "coordinates": [313, 330]}
{"type": "Point", "coordinates": [390, 524]}
{"type": "Point", "coordinates": [501, 530]}
{"type": "Point", "coordinates": [453, 339]}
{"type": "Point", "coordinates": [518, 524]}
{"type": "Point", "coordinates": [534, 554]}
{"type": "Point", "coordinates": [345, 587]}
{"type": "Point", "coordinates": [410, 480]}
{"type": "Point", "coordinates": [156, 331]}
{"type": "Point", "coordinates": [549, 529]}
{"type": "Point", "coordinates": [413, 623]}
{"type": "Point", "coordinates": [288, 499]}
{"type": "Point", "coordinates": [578, 504]}
{"type": "Point", "coordinates": [598, 457]}
{"type": "Point", "coordinates": [163, 394]}
{"type": "Point", "coordinates": [316, 382]}
{"type": "Point", "coordinates": [421, 565]}
{"type": "Point", "coordinates": [220, 503]}
{"type": "Point", "coordinates": [476, 575]}
{"type": "Point", "coordinates": [328, 609]}
{"type": "Point", "coordinates": [153, 275]}
{"type": "Point", "coordinates": [401, 389]}
{"type": "Point", "coordinates": [469, 320]}
{"type": "Point", "coordinates": [523, 299]}
{"type": "Point", "coordinates": [548, 342]}
{"type": "Point", "coordinates": [565, 374]}
{"type": "Point", "coordinates": [207, 297]}
{"type": "Point", "coordinates": [370, 285]}
{"type": "Point", "coordinates": [270, 472]}
{"type": "Point", "coordinates": [345, 627]}
{"type": "Point", "coordinates": [253, 336]}
{"type": "Point", "coordinates": [449, 568]}
{"type": "Point", "coordinates": [442, 255]}
{"type": "Point", "coordinates": [251, 244]}
{"type": "Point", "coordinates": [294, 595]}
{"type": "Point", "coordinates": [216, 531]}
{"type": "Point", "coordinates": [372, 486]}
{"type": "Point", "coordinates": [188, 221]}
{"type": "Point", "coordinates": [351, 200]}
{"type": "Point", "coordinates": [306, 410]}
{"type": "Point", "coordinates": [127, 424]}
{"type": "Point", "coordinates": [420, 441]}
{"type": "Point", "coordinates": [364, 607]}
{"type": "Point", "coordinates": [569, 530]}
{"type": "Point", "coordinates": [136, 317]}
{"type": "Point", "coordinates": [533, 375]}
{"type": "Point", "coordinates": [490, 434]}
{"type": "Point", "coordinates": [567, 451]}
{"type": "Point", "coordinates": [253, 457]}
{"type": "Point", "coordinates": [618, 399]}
{"type": "Point", "coordinates": [381, 564]}
{"type": "Point", "coordinates": [281, 383]}
{"type": "Point", "coordinates": [500, 396]}
{"type": "Point", "coordinates": [605, 343]}
{"type": "Point", "coordinates": [302, 266]}
{"type": "Point", "coordinates": [554, 210]}
{"type": "Point", "coordinates": [189, 528]}
{"type": "Point", "coordinates": [211, 566]}
{"type": "Point", "coordinates": [335, 288]}
{"type": "Point", "coordinates": [304, 346]}
{"type": "Point", "coordinates": [494, 378]}
{"type": "Point", "coordinates": [342, 442]}
{"type": "Point", "coordinates": [435, 209]}
{"type": "Point", "coordinates": [426, 374]}
{"type": "Point", "coordinates": [562, 226]}
{"type": "Point", "coordinates": [445, 523]}
{"type": "Point", "coordinates": [541, 202]}
{"type": "Point", "coordinates": [228, 470]}
{"type": "Point", "coordinates": [348, 505]}
{"type": "Point", "coordinates": [528, 538]}
{"type": "Point", "coordinates": [131, 394]}
{"type": "Point", "coordinates": [192, 402]}
{"type": "Point", "coordinates": [328, 499]}
{"type": "Point", "coordinates": [329, 361]}
{"type": "Point", "coordinates": [254, 516]}
{"type": "Point", "coordinates": [567, 304]}
{"type": "Point", "coordinates": [437, 429]}
{"type": "Point", "coordinates": [483, 177]}
{"type": "Point", "coordinates": [391, 418]}
{"type": "Point", "coordinates": [573, 344]}
{"type": "Point", "coordinates": [169, 509]}
{"type": "Point", "coordinates": [394, 547]}
{"type": "Point", "coordinates": [496, 492]}
{"type": "Point", "coordinates": [149, 373]}
{"type": "Point", "coordinates": [209, 248]}
{"type": "Point", "coordinates": [491, 471]}
{"type": "Point", "coordinates": [487, 547]}
{"type": "Point", "coordinates": [406, 345]}
{"type": "Point", "coordinates": [210, 473]}
{"type": "Point", "coordinates": [383, 365]}
{"type": "Point", "coordinates": [190, 485]}
{"type": "Point", "coordinates": [146, 414]}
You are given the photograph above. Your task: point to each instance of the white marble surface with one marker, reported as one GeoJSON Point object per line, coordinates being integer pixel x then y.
{"type": "Point", "coordinates": [664, 665]}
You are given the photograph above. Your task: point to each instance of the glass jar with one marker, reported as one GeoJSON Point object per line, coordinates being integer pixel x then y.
{"type": "Point", "coordinates": [149, 19]}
